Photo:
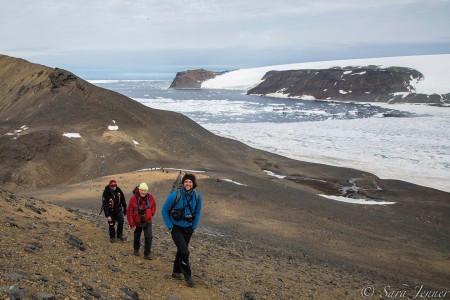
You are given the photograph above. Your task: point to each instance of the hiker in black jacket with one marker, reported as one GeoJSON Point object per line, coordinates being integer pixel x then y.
{"type": "Point", "coordinates": [114, 206]}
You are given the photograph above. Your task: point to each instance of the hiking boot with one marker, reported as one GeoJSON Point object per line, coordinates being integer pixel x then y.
{"type": "Point", "coordinates": [148, 257]}
{"type": "Point", "coordinates": [122, 239]}
{"type": "Point", "coordinates": [178, 276]}
{"type": "Point", "coordinates": [112, 240]}
{"type": "Point", "coordinates": [190, 282]}
{"type": "Point", "coordinates": [136, 252]}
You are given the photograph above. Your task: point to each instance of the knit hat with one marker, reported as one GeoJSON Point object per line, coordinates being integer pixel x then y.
{"type": "Point", "coordinates": [143, 186]}
{"type": "Point", "coordinates": [191, 177]}
{"type": "Point", "coordinates": [112, 182]}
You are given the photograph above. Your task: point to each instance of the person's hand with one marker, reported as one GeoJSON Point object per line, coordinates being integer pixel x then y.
{"type": "Point", "coordinates": [109, 219]}
{"type": "Point", "coordinates": [133, 229]}
{"type": "Point", "coordinates": [169, 231]}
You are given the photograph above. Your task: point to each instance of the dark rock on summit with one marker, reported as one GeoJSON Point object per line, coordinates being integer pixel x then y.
{"type": "Point", "coordinates": [192, 79]}
{"type": "Point", "coordinates": [366, 84]}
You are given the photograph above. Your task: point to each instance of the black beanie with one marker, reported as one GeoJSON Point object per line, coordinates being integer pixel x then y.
{"type": "Point", "coordinates": [191, 177]}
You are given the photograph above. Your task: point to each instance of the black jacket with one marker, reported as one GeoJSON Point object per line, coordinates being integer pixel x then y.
{"type": "Point", "coordinates": [113, 201]}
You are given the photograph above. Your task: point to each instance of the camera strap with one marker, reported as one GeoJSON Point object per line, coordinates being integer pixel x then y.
{"type": "Point", "coordinates": [177, 199]}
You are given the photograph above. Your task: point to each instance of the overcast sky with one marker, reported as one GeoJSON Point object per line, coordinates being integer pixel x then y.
{"type": "Point", "coordinates": [141, 38]}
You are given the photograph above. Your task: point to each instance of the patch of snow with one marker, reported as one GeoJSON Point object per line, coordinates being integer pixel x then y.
{"type": "Point", "coordinates": [17, 131]}
{"type": "Point", "coordinates": [72, 135]}
{"type": "Point", "coordinates": [232, 181]}
{"type": "Point", "coordinates": [356, 201]}
{"type": "Point", "coordinates": [270, 173]}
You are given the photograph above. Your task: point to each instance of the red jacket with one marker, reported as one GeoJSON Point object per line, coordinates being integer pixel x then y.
{"type": "Point", "coordinates": [147, 206]}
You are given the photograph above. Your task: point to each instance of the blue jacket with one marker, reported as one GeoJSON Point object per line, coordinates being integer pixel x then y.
{"type": "Point", "coordinates": [185, 198]}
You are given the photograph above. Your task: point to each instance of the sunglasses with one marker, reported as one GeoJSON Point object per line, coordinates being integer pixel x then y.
{"type": "Point", "coordinates": [114, 185]}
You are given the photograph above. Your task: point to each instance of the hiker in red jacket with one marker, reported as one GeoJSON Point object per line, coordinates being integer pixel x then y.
{"type": "Point", "coordinates": [140, 211]}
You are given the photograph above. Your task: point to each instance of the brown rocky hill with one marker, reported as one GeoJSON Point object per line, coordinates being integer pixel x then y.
{"type": "Point", "coordinates": [39, 104]}
{"type": "Point", "coordinates": [260, 237]}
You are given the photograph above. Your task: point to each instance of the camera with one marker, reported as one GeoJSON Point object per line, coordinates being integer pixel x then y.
{"type": "Point", "coordinates": [188, 218]}
{"type": "Point", "coordinates": [142, 214]}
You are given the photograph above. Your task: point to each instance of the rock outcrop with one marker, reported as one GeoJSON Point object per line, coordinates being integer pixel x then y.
{"type": "Point", "coordinates": [192, 79]}
{"type": "Point", "coordinates": [365, 84]}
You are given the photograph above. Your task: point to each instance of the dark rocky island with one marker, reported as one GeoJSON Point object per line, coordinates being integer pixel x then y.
{"type": "Point", "coordinates": [365, 84]}
{"type": "Point", "coordinates": [192, 79]}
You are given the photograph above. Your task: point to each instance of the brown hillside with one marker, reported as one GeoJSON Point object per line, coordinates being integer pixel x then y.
{"type": "Point", "coordinates": [44, 103]}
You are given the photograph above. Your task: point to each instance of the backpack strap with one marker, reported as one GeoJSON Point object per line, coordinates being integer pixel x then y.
{"type": "Point", "coordinates": [177, 199]}
{"type": "Point", "coordinates": [147, 204]}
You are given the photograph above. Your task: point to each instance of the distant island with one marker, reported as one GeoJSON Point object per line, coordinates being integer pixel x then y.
{"type": "Point", "coordinates": [192, 79]}
{"type": "Point", "coordinates": [415, 79]}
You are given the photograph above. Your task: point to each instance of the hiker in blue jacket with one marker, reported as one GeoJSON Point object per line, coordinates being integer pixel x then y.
{"type": "Point", "coordinates": [181, 213]}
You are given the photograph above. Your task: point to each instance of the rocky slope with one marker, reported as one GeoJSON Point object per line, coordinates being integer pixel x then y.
{"type": "Point", "coordinates": [48, 252]}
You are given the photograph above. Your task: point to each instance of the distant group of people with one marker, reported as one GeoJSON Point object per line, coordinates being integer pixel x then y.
{"type": "Point", "coordinates": [181, 214]}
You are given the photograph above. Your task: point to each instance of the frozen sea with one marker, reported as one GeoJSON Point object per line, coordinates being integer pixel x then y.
{"type": "Point", "coordinates": [405, 142]}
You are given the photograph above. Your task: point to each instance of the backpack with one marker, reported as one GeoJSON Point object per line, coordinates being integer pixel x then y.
{"type": "Point", "coordinates": [177, 186]}
{"type": "Point", "coordinates": [110, 204]}
{"type": "Point", "coordinates": [135, 190]}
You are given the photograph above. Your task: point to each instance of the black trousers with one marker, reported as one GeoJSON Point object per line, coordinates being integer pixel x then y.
{"type": "Point", "coordinates": [181, 236]}
{"type": "Point", "coordinates": [148, 236]}
{"type": "Point", "coordinates": [119, 218]}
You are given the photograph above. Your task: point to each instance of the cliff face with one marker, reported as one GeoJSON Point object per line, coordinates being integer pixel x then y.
{"type": "Point", "coordinates": [365, 84]}
{"type": "Point", "coordinates": [192, 79]}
